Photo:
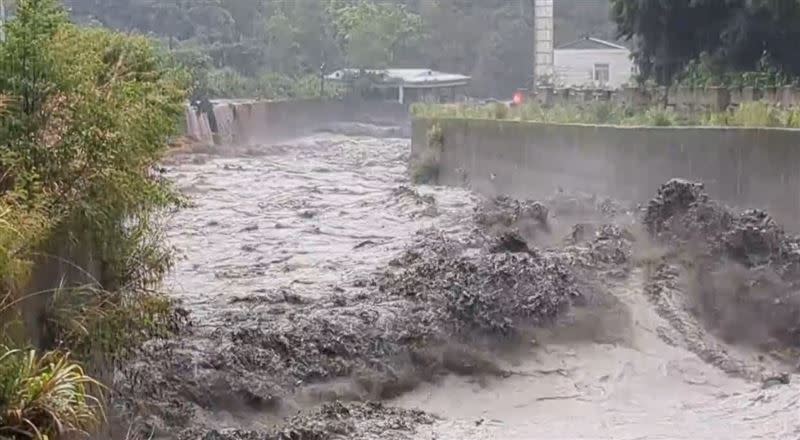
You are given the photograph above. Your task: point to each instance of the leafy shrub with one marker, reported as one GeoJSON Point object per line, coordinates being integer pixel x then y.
{"type": "Point", "coordinates": [45, 397]}
{"type": "Point", "coordinates": [756, 114]}
{"type": "Point", "coordinates": [499, 110]}
{"type": "Point", "coordinates": [79, 154]}
{"type": "Point", "coordinates": [426, 168]}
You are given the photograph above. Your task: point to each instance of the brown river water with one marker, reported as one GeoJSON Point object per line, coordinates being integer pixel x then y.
{"type": "Point", "coordinates": [317, 213]}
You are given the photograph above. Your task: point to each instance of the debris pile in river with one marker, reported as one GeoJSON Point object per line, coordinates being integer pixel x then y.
{"type": "Point", "coordinates": [602, 247]}
{"type": "Point", "coordinates": [503, 213]}
{"type": "Point", "coordinates": [478, 290]}
{"type": "Point", "coordinates": [683, 212]}
{"type": "Point", "coordinates": [419, 204]}
{"type": "Point", "coordinates": [745, 269]}
{"type": "Point", "coordinates": [444, 305]}
{"type": "Point", "coordinates": [336, 420]}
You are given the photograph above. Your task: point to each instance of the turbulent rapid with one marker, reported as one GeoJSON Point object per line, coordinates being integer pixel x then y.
{"type": "Point", "coordinates": [331, 298]}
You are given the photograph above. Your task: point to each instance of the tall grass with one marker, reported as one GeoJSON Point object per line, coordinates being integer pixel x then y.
{"type": "Point", "coordinates": [753, 114]}
{"type": "Point", "coordinates": [45, 397]}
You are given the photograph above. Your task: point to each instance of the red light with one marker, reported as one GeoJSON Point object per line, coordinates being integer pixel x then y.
{"type": "Point", "coordinates": [518, 98]}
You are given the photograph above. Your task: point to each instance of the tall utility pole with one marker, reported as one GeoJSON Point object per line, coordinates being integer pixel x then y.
{"type": "Point", "coordinates": [543, 69]}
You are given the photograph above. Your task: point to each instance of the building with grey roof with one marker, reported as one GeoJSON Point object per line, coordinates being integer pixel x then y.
{"type": "Point", "coordinates": [403, 85]}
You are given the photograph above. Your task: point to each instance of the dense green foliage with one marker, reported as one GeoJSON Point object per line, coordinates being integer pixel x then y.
{"type": "Point", "coordinates": [85, 115]}
{"type": "Point", "coordinates": [261, 45]}
{"type": "Point", "coordinates": [88, 113]}
{"type": "Point", "coordinates": [730, 36]}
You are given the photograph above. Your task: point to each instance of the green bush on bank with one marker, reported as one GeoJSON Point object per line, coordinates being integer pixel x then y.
{"type": "Point", "coordinates": [751, 114]}
{"type": "Point", "coordinates": [85, 116]}
{"type": "Point", "coordinates": [45, 397]}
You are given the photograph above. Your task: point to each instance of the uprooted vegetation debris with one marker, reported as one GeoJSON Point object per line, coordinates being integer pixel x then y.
{"type": "Point", "coordinates": [412, 325]}
{"type": "Point", "coordinates": [450, 303]}
{"type": "Point", "coordinates": [336, 420]}
{"type": "Point", "coordinates": [743, 269]}
{"type": "Point", "coordinates": [447, 304]}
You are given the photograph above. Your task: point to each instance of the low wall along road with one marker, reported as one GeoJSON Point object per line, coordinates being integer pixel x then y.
{"type": "Point", "coordinates": [746, 167]}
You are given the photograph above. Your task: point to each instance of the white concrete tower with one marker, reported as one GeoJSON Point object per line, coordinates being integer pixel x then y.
{"type": "Point", "coordinates": [543, 69]}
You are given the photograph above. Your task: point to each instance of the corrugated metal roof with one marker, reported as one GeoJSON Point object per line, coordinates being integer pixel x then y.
{"type": "Point", "coordinates": [589, 43]}
{"type": "Point", "coordinates": [407, 77]}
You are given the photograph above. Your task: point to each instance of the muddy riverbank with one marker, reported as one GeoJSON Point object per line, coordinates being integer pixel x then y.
{"type": "Point", "coordinates": [318, 279]}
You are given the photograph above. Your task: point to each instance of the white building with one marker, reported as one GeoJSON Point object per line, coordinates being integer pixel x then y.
{"type": "Point", "coordinates": [592, 62]}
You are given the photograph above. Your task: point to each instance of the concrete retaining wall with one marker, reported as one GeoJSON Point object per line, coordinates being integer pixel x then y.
{"type": "Point", "coordinates": [248, 121]}
{"type": "Point", "coordinates": [745, 167]}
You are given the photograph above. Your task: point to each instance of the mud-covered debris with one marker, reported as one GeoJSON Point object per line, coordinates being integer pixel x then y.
{"type": "Point", "coordinates": [579, 234]}
{"type": "Point", "coordinates": [507, 211]}
{"type": "Point", "coordinates": [754, 239]}
{"type": "Point", "coordinates": [683, 213]}
{"type": "Point", "coordinates": [510, 241]}
{"type": "Point", "coordinates": [403, 191]}
{"type": "Point", "coordinates": [364, 243]}
{"type": "Point", "coordinates": [485, 291]}
{"type": "Point", "coordinates": [673, 199]}
{"type": "Point", "coordinates": [277, 296]}
{"type": "Point", "coordinates": [580, 205]}
{"type": "Point", "coordinates": [602, 248]}
{"type": "Point", "coordinates": [427, 201]}
{"type": "Point", "coordinates": [612, 245]}
{"type": "Point", "coordinates": [744, 267]}
{"type": "Point", "coordinates": [501, 213]}
{"type": "Point", "coordinates": [336, 420]}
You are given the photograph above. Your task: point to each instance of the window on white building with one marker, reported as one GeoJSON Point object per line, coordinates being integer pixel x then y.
{"type": "Point", "coordinates": [601, 73]}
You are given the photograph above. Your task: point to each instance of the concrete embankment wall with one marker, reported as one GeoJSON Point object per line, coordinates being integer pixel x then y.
{"type": "Point", "coordinates": [249, 121]}
{"type": "Point", "coordinates": [746, 167]}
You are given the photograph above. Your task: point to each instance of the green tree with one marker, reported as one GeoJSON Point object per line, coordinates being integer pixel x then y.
{"type": "Point", "coordinates": [735, 35]}
{"type": "Point", "coordinates": [282, 45]}
{"type": "Point", "coordinates": [374, 34]}
{"type": "Point", "coordinates": [91, 112]}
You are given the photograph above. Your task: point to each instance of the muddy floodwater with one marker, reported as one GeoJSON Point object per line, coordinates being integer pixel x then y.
{"type": "Point", "coordinates": [290, 231]}
{"type": "Point", "coordinates": [310, 215]}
